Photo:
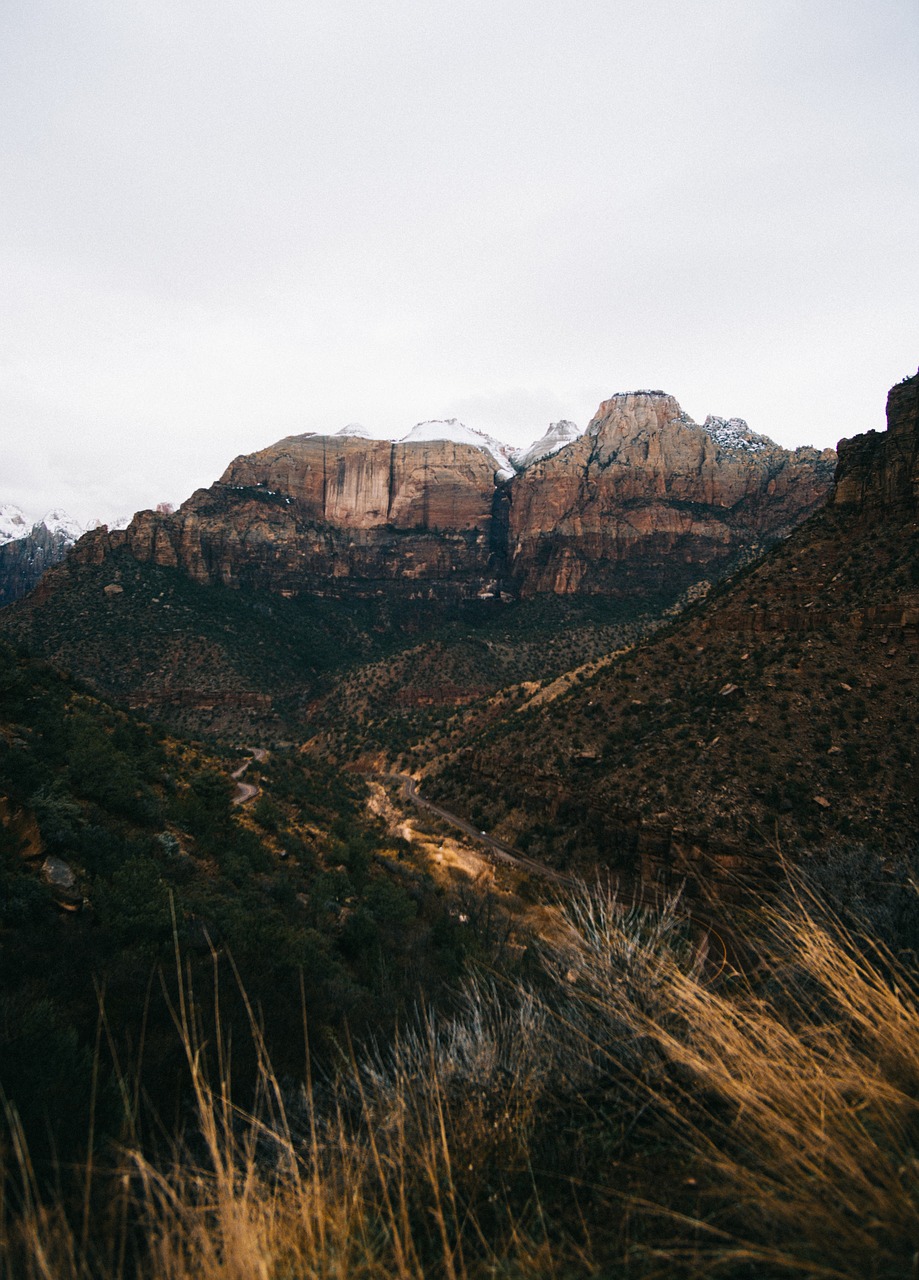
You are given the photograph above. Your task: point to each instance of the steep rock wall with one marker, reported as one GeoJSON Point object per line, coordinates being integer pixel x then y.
{"type": "Point", "coordinates": [879, 471]}
{"type": "Point", "coordinates": [646, 491]}
{"type": "Point", "coordinates": [646, 499]}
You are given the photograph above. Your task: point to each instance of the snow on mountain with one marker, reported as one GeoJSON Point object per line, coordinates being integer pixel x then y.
{"type": "Point", "coordinates": [733, 433]}
{"type": "Point", "coordinates": [119, 522]}
{"type": "Point", "coordinates": [457, 432]}
{"type": "Point", "coordinates": [556, 437]}
{"type": "Point", "coordinates": [59, 522]}
{"type": "Point", "coordinates": [355, 431]}
{"type": "Point", "coordinates": [13, 522]}
{"type": "Point", "coordinates": [16, 523]}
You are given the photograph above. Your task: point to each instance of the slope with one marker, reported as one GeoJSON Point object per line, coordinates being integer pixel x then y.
{"type": "Point", "coordinates": [780, 713]}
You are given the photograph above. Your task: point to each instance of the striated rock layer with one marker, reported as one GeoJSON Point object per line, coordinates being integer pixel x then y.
{"type": "Point", "coordinates": [645, 497]}
{"type": "Point", "coordinates": [646, 490]}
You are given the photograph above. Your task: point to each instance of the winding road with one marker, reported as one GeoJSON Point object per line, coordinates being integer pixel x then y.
{"type": "Point", "coordinates": [246, 791]}
{"type": "Point", "coordinates": [507, 854]}
{"type": "Point", "coordinates": [500, 851]}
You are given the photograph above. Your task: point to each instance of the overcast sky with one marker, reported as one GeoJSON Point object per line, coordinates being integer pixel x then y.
{"type": "Point", "coordinates": [221, 223]}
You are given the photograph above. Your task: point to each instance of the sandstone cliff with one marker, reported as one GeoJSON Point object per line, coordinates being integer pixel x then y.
{"type": "Point", "coordinates": [879, 471]}
{"type": "Point", "coordinates": [646, 491]}
{"type": "Point", "coordinates": [646, 498]}
{"type": "Point", "coordinates": [330, 515]}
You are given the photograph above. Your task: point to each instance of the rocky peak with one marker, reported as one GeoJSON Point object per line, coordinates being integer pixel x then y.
{"type": "Point", "coordinates": [453, 431]}
{"type": "Point", "coordinates": [879, 471]}
{"type": "Point", "coordinates": [556, 437]}
{"type": "Point", "coordinates": [28, 548]}
{"type": "Point", "coordinates": [733, 433]}
{"type": "Point", "coordinates": [13, 522]}
{"type": "Point", "coordinates": [647, 491]}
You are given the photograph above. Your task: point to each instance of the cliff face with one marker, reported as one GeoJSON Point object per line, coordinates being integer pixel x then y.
{"type": "Point", "coordinates": [24, 560]}
{"type": "Point", "coordinates": [330, 516]}
{"type": "Point", "coordinates": [879, 472]}
{"type": "Point", "coordinates": [645, 498]}
{"type": "Point", "coordinates": [646, 490]}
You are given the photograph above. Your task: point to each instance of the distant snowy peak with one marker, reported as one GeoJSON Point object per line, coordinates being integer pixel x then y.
{"type": "Point", "coordinates": [557, 436]}
{"type": "Point", "coordinates": [16, 524]}
{"type": "Point", "coordinates": [119, 522]}
{"type": "Point", "coordinates": [733, 433]}
{"type": "Point", "coordinates": [13, 523]}
{"type": "Point", "coordinates": [458, 433]}
{"type": "Point", "coordinates": [355, 431]}
{"type": "Point", "coordinates": [59, 523]}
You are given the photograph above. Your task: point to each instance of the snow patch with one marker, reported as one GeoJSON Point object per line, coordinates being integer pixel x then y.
{"type": "Point", "coordinates": [354, 431]}
{"type": "Point", "coordinates": [558, 435]}
{"type": "Point", "coordinates": [16, 523]}
{"type": "Point", "coordinates": [733, 433]}
{"type": "Point", "coordinates": [119, 522]}
{"type": "Point", "coordinates": [458, 433]}
{"type": "Point", "coordinates": [59, 522]}
{"type": "Point", "coordinates": [13, 523]}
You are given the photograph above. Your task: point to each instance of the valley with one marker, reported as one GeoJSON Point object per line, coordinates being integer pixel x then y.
{"type": "Point", "coordinates": [522, 805]}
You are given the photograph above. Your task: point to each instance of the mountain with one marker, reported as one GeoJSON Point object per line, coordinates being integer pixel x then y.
{"type": "Point", "coordinates": [28, 548]}
{"type": "Point", "coordinates": [646, 494]}
{"type": "Point", "coordinates": [777, 716]}
{"type": "Point", "coordinates": [557, 435]}
{"type": "Point", "coordinates": [645, 498]}
{"type": "Point", "coordinates": [242, 611]}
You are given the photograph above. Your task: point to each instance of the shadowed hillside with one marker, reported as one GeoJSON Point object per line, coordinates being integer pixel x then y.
{"type": "Point", "coordinates": [781, 712]}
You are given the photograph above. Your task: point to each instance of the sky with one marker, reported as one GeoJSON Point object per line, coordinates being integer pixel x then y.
{"type": "Point", "coordinates": [224, 223]}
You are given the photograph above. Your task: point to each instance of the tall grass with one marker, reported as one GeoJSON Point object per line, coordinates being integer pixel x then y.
{"type": "Point", "coordinates": [627, 1113]}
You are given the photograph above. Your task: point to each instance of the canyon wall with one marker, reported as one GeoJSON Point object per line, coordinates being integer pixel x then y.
{"type": "Point", "coordinates": [646, 492]}
{"type": "Point", "coordinates": [645, 499]}
{"type": "Point", "coordinates": [879, 471]}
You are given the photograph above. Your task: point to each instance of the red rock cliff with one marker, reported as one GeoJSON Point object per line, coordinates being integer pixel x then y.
{"type": "Point", "coordinates": [646, 497]}
{"type": "Point", "coordinates": [646, 490]}
{"type": "Point", "coordinates": [880, 470]}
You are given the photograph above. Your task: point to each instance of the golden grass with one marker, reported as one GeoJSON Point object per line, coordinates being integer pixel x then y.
{"type": "Point", "coordinates": [791, 1100]}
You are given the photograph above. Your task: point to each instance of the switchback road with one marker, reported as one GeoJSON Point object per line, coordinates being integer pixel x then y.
{"type": "Point", "coordinates": [507, 854]}
{"type": "Point", "coordinates": [246, 791]}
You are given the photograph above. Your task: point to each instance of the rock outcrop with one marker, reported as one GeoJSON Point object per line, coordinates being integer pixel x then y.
{"type": "Point", "coordinates": [25, 557]}
{"type": "Point", "coordinates": [879, 472]}
{"type": "Point", "coordinates": [646, 492]}
{"type": "Point", "coordinates": [645, 498]}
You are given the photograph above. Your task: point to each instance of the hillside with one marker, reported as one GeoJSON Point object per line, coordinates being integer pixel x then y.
{"type": "Point", "coordinates": [119, 843]}
{"type": "Point", "coordinates": [778, 714]}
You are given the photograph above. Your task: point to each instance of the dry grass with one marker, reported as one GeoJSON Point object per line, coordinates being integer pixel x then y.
{"type": "Point", "coordinates": [793, 1103]}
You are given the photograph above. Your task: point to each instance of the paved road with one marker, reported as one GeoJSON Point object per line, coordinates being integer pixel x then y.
{"type": "Point", "coordinates": [499, 851]}
{"type": "Point", "coordinates": [507, 854]}
{"type": "Point", "coordinates": [246, 791]}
